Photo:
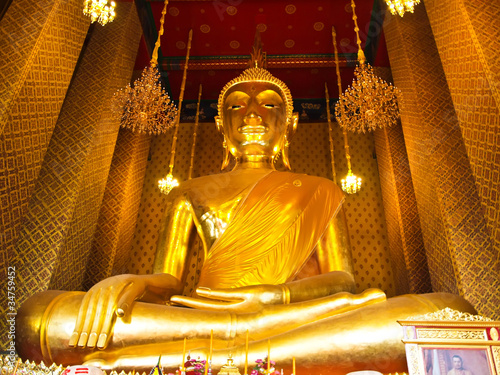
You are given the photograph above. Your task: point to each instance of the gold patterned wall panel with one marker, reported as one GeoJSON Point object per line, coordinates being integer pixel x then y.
{"type": "Point", "coordinates": [39, 47]}
{"type": "Point", "coordinates": [391, 209]}
{"type": "Point", "coordinates": [56, 235]}
{"type": "Point", "coordinates": [416, 137]}
{"type": "Point", "coordinates": [24, 28]}
{"type": "Point", "coordinates": [115, 49]}
{"type": "Point", "coordinates": [482, 18]}
{"type": "Point", "coordinates": [400, 206]}
{"type": "Point", "coordinates": [471, 69]}
{"type": "Point", "coordinates": [309, 153]}
{"type": "Point", "coordinates": [117, 218]}
{"type": "Point", "coordinates": [458, 247]}
{"type": "Point", "coordinates": [34, 80]}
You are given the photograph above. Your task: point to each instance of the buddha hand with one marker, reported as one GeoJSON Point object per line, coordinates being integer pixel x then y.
{"type": "Point", "coordinates": [114, 297]}
{"type": "Point", "coordinates": [238, 300]}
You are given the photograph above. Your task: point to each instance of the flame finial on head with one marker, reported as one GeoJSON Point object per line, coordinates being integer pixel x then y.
{"type": "Point", "coordinates": [258, 73]}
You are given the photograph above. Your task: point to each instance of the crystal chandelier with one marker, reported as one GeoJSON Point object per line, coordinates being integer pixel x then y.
{"type": "Point", "coordinates": [146, 107]}
{"type": "Point", "coordinates": [99, 10]}
{"type": "Point", "coordinates": [370, 102]}
{"type": "Point", "coordinates": [167, 184]}
{"type": "Point", "coordinates": [401, 6]}
{"type": "Point", "coordinates": [351, 183]}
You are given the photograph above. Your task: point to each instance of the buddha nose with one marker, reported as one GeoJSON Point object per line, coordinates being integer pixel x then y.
{"type": "Point", "coordinates": [252, 119]}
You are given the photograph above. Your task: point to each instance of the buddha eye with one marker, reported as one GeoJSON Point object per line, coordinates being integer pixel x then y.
{"type": "Point", "coordinates": [235, 107]}
{"type": "Point", "coordinates": [270, 105]}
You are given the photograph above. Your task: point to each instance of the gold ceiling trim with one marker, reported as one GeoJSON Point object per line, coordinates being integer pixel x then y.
{"type": "Point", "coordinates": [272, 63]}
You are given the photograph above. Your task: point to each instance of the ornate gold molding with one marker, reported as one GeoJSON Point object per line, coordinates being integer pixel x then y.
{"type": "Point", "coordinates": [496, 356]}
{"type": "Point", "coordinates": [413, 355]}
{"type": "Point", "coordinates": [451, 315]}
{"type": "Point", "coordinates": [476, 334]}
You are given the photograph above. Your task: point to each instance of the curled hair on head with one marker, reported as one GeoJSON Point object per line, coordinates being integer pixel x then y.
{"type": "Point", "coordinates": [257, 74]}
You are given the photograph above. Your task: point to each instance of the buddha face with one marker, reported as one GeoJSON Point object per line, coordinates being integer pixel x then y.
{"type": "Point", "coordinates": [254, 119]}
{"type": "Point", "coordinates": [457, 362]}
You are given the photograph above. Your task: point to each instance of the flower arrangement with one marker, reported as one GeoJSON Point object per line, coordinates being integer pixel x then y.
{"type": "Point", "coordinates": [261, 368]}
{"type": "Point", "coordinates": [195, 366]}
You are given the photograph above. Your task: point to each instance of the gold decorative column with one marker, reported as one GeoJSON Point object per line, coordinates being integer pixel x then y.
{"type": "Point", "coordinates": [117, 219]}
{"type": "Point", "coordinates": [471, 70]}
{"type": "Point", "coordinates": [34, 78]}
{"type": "Point", "coordinates": [459, 248]}
{"type": "Point", "coordinates": [400, 206]}
{"type": "Point", "coordinates": [55, 239]}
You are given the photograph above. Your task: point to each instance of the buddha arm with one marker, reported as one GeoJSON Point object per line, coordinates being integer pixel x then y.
{"type": "Point", "coordinates": [116, 295]}
{"type": "Point", "coordinates": [318, 286]}
{"type": "Point", "coordinates": [253, 298]}
{"type": "Point", "coordinates": [334, 249]}
{"type": "Point", "coordinates": [334, 257]}
{"type": "Point", "coordinates": [175, 231]}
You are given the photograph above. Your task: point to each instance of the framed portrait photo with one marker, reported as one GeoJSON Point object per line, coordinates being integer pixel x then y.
{"type": "Point", "coordinates": [457, 361]}
{"type": "Point", "coordinates": [452, 343]}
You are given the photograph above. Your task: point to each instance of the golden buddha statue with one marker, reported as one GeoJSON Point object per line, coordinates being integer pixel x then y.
{"type": "Point", "coordinates": [257, 230]}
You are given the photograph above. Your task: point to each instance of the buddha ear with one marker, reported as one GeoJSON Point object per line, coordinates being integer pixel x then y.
{"type": "Point", "coordinates": [218, 123]}
{"type": "Point", "coordinates": [292, 127]}
{"type": "Point", "coordinates": [225, 160]}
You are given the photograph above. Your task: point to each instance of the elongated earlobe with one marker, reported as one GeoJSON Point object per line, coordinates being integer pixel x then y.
{"type": "Point", "coordinates": [286, 161]}
{"type": "Point", "coordinates": [218, 124]}
{"type": "Point", "coordinates": [290, 131]}
{"type": "Point", "coordinates": [225, 161]}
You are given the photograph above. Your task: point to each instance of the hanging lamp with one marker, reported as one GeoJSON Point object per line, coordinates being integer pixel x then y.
{"type": "Point", "coordinates": [351, 183]}
{"type": "Point", "coordinates": [146, 107]}
{"type": "Point", "coordinates": [101, 11]}
{"type": "Point", "coordinates": [401, 6]}
{"type": "Point", "coordinates": [370, 102]}
{"type": "Point", "coordinates": [168, 183]}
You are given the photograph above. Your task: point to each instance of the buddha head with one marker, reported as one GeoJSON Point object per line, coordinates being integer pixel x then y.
{"type": "Point", "coordinates": [256, 117]}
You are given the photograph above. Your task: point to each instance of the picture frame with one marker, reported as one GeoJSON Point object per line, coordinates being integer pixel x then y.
{"type": "Point", "coordinates": [450, 342]}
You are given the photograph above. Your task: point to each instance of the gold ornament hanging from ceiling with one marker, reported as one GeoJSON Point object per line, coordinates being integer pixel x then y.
{"type": "Point", "coordinates": [330, 129]}
{"type": "Point", "coordinates": [351, 184]}
{"type": "Point", "coordinates": [99, 10]}
{"type": "Point", "coordinates": [370, 102]}
{"type": "Point", "coordinates": [195, 134]}
{"type": "Point", "coordinates": [401, 6]}
{"type": "Point", "coordinates": [146, 107]}
{"type": "Point", "coordinates": [168, 183]}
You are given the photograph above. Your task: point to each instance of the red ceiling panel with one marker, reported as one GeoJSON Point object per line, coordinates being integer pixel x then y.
{"type": "Point", "coordinates": [289, 30]}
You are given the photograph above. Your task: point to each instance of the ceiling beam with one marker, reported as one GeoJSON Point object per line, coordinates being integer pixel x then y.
{"type": "Point", "coordinates": [273, 62]}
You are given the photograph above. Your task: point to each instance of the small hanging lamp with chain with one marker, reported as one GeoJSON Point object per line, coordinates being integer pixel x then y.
{"type": "Point", "coordinates": [168, 183]}
{"type": "Point", "coordinates": [351, 183]}
{"type": "Point", "coordinates": [147, 108]}
{"type": "Point", "coordinates": [370, 102]}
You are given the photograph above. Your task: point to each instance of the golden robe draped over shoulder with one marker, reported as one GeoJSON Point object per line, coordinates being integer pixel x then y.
{"type": "Point", "coordinates": [273, 232]}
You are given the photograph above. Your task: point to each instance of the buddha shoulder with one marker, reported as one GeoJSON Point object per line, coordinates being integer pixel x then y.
{"type": "Point", "coordinates": [210, 190]}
